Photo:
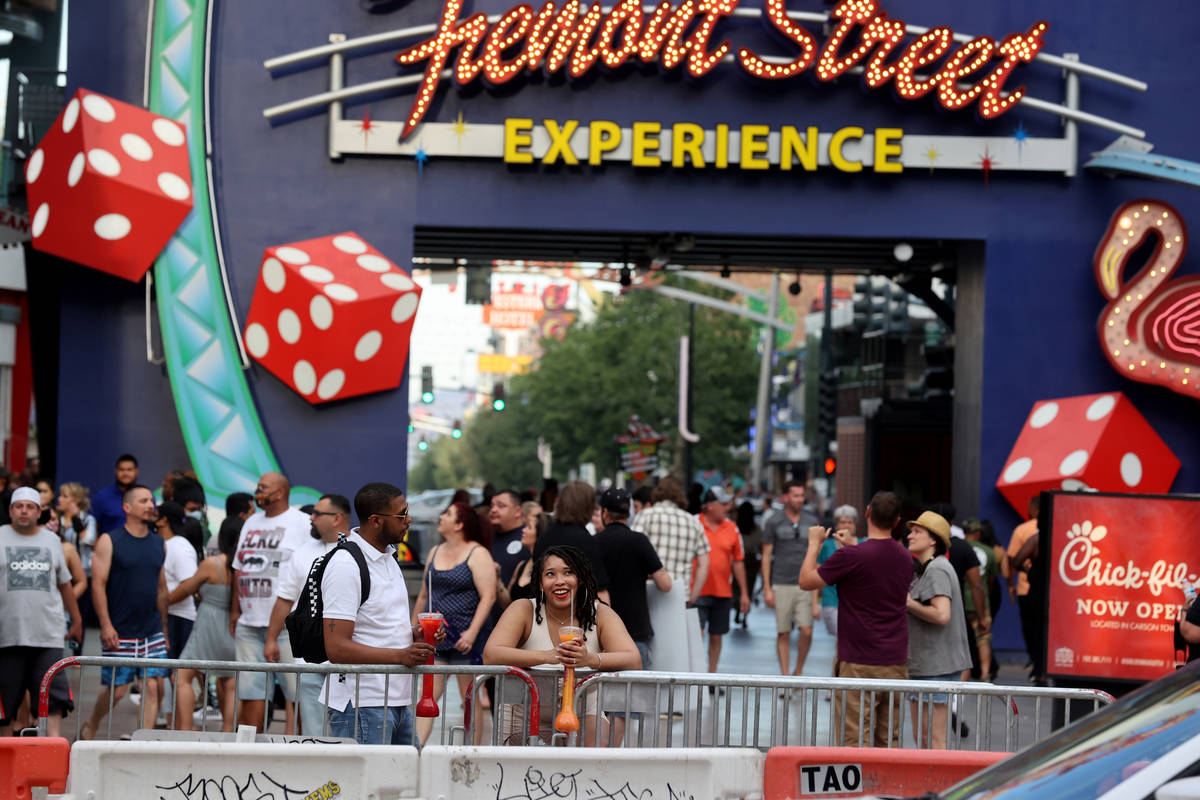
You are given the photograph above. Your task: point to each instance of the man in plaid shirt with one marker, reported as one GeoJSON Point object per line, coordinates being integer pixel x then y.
{"type": "Point", "coordinates": [676, 535]}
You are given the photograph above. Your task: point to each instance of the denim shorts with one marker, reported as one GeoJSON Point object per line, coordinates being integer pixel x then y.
{"type": "Point", "coordinates": [376, 724]}
{"type": "Point", "coordinates": [935, 697]}
{"type": "Point", "coordinates": [248, 642]}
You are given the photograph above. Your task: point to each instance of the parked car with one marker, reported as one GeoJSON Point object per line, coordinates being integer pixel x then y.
{"type": "Point", "coordinates": [1126, 751]}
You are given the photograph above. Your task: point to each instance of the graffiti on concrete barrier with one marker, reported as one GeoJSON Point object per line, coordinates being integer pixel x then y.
{"type": "Point", "coordinates": [538, 785]}
{"type": "Point", "coordinates": [256, 786]}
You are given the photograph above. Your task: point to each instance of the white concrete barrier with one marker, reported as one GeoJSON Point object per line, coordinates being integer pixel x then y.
{"type": "Point", "coordinates": [220, 771]}
{"type": "Point", "coordinates": [506, 773]}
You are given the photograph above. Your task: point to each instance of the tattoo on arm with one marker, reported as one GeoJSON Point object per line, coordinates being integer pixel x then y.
{"type": "Point", "coordinates": [331, 625]}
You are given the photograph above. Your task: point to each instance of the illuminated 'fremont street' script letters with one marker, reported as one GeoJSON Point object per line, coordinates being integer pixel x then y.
{"type": "Point", "coordinates": [576, 38]}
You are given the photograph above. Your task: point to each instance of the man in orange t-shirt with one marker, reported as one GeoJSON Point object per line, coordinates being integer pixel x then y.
{"type": "Point", "coordinates": [726, 559]}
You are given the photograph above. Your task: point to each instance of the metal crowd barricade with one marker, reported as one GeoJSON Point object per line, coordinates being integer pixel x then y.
{"type": "Point", "coordinates": [723, 710]}
{"type": "Point", "coordinates": [392, 674]}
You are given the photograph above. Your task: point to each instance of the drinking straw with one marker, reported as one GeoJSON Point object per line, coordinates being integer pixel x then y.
{"type": "Point", "coordinates": [430, 578]}
{"type": "Point", "coordinates": [572, 617]}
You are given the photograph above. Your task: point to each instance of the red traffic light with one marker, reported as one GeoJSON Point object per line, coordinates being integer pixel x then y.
{"type": "Point", "coordinates": [830, 465]}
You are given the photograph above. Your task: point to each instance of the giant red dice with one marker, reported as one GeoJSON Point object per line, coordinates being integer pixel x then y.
{"type": "Point", "coordinates": [331, 318]}
{"type": "Point", "coordinates": [1093, 441]}
{"type": "Point", "coordinates": [108, 185]}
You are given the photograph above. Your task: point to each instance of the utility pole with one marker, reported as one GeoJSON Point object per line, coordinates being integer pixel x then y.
{"type": "Point", "coordinates": [762, 415]}
{"type": "Point", "coordinates": [687, 420]}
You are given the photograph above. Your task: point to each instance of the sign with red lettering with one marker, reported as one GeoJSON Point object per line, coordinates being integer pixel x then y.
{"type": "Point", "coordinates": [1115, 568]}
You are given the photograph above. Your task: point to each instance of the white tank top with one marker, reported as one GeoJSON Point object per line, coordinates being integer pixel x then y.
{"type": "Point", "coordinates": [541, 638]}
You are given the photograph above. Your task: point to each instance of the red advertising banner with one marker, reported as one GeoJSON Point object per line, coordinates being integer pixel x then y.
{"type": "Point", "coordinates": [1115, 583]}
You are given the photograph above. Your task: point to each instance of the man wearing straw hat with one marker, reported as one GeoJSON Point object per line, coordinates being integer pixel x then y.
{"type": "Point", "coordinates": [937, 634]}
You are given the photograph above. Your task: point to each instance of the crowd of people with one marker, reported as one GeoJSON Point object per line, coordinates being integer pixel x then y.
{"type": "Point", "coordinates": [510, 578]}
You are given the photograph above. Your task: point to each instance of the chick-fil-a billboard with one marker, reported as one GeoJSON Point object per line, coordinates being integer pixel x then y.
{"type": "Point", "coordinates": [1115, 572]}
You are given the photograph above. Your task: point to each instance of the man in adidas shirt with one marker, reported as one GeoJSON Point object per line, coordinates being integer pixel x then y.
{"type": "Point", "coordinates": [330, 517]}
{"type": "Point", "coordinates": [376, 630]}
{"type": "Point", "coordinates": [267, 542]}
{"type": "Point", "coordinates": [35, 589]}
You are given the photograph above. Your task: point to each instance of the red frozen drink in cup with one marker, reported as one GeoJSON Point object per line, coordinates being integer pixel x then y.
{"type": "Point", "coordinates": [430, 622]}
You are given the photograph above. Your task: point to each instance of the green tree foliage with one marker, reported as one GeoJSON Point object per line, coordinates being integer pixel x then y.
{"type": "Point", "coordinates": [584, 388]}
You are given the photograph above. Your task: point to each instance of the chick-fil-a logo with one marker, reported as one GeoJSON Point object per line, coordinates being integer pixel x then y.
{"type": "Point", "coordinates": [1081, 564]}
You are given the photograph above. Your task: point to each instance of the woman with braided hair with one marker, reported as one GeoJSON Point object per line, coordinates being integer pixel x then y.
{"type": "Point", "coordinates": [527, 632]}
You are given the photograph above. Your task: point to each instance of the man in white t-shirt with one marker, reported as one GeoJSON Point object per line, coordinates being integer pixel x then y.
{"type": "Point", "coordinates": [266, 544]}
{"type": "Point", "coordinates": [375, 631]}
{"type": "Point", "coordinates": [330, 517]}
{"type": "Point", "coordinates": [179, 564]}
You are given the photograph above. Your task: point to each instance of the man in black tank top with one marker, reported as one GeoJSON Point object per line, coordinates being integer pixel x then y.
{"type": "Point", "coordinates": [129, 592]}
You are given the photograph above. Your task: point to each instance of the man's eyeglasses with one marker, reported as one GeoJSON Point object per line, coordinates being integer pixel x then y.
{"type": "Point", "coordinates": [316, 513]}
{"type": "Point", "coordinates": [401, 515]}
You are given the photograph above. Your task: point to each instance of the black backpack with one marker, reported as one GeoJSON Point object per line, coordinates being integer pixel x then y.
{"type": "Point", "coordinates": [304, 623]}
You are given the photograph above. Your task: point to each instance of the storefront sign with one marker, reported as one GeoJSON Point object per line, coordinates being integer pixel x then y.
{"type": "Point", "coordinates": [1116, 569]}
{"type": "Point", "coordinates": [513, 310]}
{"type": "Point", "coordinates": [638, 449]}
{"type": "Point", "coordinates": [573, 39]}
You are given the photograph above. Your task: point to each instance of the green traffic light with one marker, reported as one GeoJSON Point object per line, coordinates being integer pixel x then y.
{"type": "Point", "coordinates": [422, 445]}
{"type": "Point", "coordinates": [411, 428]}
{"type": "Point", "coordinates": [456, 433]}
{"type": "Point", "coordinates": [427, 397]}
{"type": "Point", "coordinates": [498, 404]}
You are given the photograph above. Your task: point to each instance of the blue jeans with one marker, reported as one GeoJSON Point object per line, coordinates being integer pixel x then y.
{"type": "Point", "coordinates": [373, 728]}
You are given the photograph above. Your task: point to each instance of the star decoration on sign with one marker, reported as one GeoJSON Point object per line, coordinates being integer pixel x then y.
{"type": "Point", "coordinates": [459, 127]}
{"type": "Point", "coordinates": [987, 162]}
{"type": "Point", "coordinates": [1020, 135]}
{"type": "Point", "coordinates": [420, 157]}
{"type": "Point", "coordinates": [367, 126]}
{"type": "Point", "coordinates": [933, 155]}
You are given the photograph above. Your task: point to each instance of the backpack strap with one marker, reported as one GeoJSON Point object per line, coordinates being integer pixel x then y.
{"type": "Point", "coordinates": [364, 572]}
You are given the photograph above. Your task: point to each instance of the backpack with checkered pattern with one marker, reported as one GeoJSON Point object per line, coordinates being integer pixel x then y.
{"type": "Point", "coordinates": [304, 623]}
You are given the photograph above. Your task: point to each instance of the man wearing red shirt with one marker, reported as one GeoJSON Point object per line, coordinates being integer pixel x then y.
{"type": "Point", "coordinates": [725, 559]}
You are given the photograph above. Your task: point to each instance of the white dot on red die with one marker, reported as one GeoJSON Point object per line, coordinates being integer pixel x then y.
{"type": "Point", "coordinates": [340, 291]}
{"type": "Point", "coordinates": [40, 218]}
{"type": "Point", "coordinates": [1131, 469]}
{"type": "Point", "coordinates": [397, 280]}
{"type": "Point", "coordinates": [98, 108]}
{"type": "Point", "coordinates": [304, 376]}
{"type": "Point", "coordinates": [1044, 415]}
{"type": "Point", "coordinates": [331, 384]}
{"type": "Point", "coordinates": [71, 115]}
{"type": "Point", "coordinates": [316, 274]}
{"type": "Point", "coordinates": [1018, 469]}
{"type": "Point", "coordinates": [404, 308]}
{"type": "Point", "coordinates": [173, 186]}
{"type": "Point", "coordinates": [76, 170]}
{"type": "Point", "coordinates": [136, 147]}
{"type": "Point", "coordinates": [1100, 407]}
{"type": "Point", "coordinates": [167, 132]}
{"type": "Point", "coordinates": [1075, 485]}
{"type": "Point", "coordinates": [1074, 462]}
{"type": "Point", "coordinates": [289, 326]}
{"type": "Point", "coordinates": [257, 340]}
{"type": "Point", "coordinates": [349, 244]}
{"type": "Point", "coordinates": [373, 263]}
{"type": "Point", "coordinates": [274, 275]}
{"type": "Point", "coordinates": [292, 255]}
{"type": "Point", "coordinates": [34, 168]}
{"type": "Point", "coordinates": [112, 227]}
{"type": "Point", "coordinates": [368, 345]}
{"type": "Point", "coordinates": [104, 162]}
{"type": "Point", "coordinates": [320, 311]}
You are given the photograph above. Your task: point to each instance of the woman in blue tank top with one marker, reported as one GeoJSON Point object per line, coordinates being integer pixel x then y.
{"type": "Point", "coordinates": [460, 583]}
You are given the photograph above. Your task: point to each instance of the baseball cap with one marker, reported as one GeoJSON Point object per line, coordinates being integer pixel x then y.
{"type": "Point", "coordinates": [614, 499]}
{"type": "Point", "coordinates": [25, 493]}
{"type": "Point", "coordinates": [717, 494]}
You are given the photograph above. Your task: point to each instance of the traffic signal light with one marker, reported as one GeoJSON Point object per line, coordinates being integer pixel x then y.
{"type": "Point", "coordinates": [422, 445]}
{"type": "Point", "coordinates": [498, 397]}
{"type": "Point", "coordinates": [827, 402]}
{"type": "Point", "coordinates": [456, 431]}
{"type": "Point", "coordinates": [479, 286]}
{"type": "Point", "coordinates": [426, 384]}
{"type": "Point", "coordinates": [830, 465]}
